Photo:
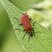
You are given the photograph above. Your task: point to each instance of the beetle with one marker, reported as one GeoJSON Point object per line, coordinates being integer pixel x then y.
{"type": "Point", "coordinates": [25, 21]}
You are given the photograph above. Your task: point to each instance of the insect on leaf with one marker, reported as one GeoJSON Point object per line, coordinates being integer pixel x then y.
{"type": "Point", "coordinates": [41, 36]}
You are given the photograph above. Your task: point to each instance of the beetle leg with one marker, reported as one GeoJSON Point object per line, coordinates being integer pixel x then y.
{"type": "Point", "coordinates": [24, 36]}
{"type": "Point", "coordinates": [20, 24]}
{"type": "Point", "coordinates": [28, 38]}
{"type": "Point", "coordinates": [34, 23]}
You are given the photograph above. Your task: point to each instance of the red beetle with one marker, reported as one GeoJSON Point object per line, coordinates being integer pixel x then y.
{"type": "Point", "coordinates": [25, 21]}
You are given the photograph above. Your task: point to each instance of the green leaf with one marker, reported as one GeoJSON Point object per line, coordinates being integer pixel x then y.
{"type": "Point", "coordinates": [40, 42]}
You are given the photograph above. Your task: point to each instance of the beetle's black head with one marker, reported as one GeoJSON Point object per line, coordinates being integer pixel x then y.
{"type": "Point", "coordinates": [30, 34]}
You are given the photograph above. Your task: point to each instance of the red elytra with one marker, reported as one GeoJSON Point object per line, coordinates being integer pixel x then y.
{"type": "Point", "coordinates": [25, 21]}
